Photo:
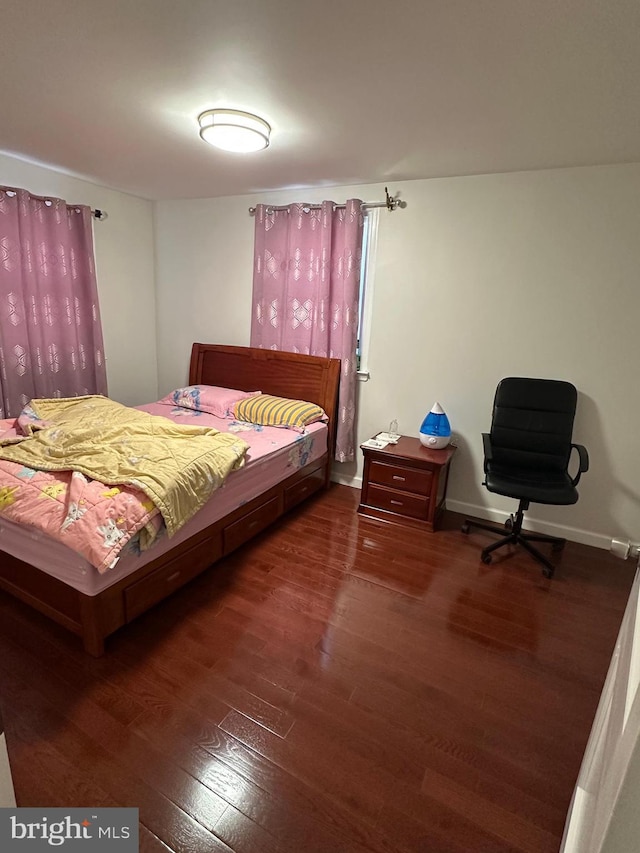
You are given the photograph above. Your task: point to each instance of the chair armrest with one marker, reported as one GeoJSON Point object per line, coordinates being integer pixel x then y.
{"type": "Point", "coordinates": [583, 462]}
{"type": "Point", "coordinates": [488, 451]}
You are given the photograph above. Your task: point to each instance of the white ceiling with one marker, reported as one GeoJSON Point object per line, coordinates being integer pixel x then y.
{"type": "Point", "coordinates": [356, 91]}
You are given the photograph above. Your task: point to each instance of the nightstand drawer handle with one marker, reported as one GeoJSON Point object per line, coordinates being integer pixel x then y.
{"type": "Point", "coordinates": [397, 477]}
{"type": "Point", "coordinates": [397, 503]}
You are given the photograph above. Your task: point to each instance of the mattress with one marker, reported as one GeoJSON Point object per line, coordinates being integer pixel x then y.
{"type": "Point", "coordinates": [273, 456]}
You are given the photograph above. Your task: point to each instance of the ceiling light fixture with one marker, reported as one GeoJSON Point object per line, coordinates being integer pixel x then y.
{"type": "Point", "coordinates": [233, 130]}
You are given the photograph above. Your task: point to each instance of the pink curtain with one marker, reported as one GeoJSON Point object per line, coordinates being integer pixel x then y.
{"type": "Point", "coordinates": [50, 334]}
{"type": "Point", "coordinates": [306, 283]}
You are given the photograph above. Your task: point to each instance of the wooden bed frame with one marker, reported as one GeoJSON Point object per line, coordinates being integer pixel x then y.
{"type": "Point", "coordinates": [95, 617]}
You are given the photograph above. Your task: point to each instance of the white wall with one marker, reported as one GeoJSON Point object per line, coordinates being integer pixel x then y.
{"type": "Point", "coordinates": [204, 263]}
{"type": "Point", "coordinates": [532, 273]}
{"type": "Point", "coordinates": [125, 270]}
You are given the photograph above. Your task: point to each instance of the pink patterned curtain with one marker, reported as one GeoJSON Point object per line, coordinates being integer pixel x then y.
{"type": "Point", "coordinates": [306, 283]}
{"type": "Point", "coordinates": [50, 333]}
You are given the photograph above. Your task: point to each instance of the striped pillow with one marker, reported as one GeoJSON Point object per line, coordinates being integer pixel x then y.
{"type": "Point", "coordinates": [278, 411]}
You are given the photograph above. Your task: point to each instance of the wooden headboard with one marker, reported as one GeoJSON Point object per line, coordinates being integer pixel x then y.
{"type": "Point", "coordinates": [283, 374]}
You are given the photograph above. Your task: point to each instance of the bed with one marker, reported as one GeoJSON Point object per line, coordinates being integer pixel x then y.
{"type": "Point", "coordinates": [95, 616]}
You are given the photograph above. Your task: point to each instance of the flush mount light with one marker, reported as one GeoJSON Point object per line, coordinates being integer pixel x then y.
{"type": "Point", "coordinates": [233, 130]}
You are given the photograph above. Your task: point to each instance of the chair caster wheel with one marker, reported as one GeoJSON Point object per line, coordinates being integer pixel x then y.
{"type": "Point", "coordinates": [508, 525]}
{"type": "Point", "coordinates": [486, 558]}
{"type": "Point", "coordinates": [465, 528]}
{"type": "Point", "coordinates": [548, 573]}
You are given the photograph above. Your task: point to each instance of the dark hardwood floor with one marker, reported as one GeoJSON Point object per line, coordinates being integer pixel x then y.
{"type": "Point", "coordinates": [337, 685]}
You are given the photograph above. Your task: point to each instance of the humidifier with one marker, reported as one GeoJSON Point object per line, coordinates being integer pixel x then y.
{"type": "Point", "coordinates": [435, 431]}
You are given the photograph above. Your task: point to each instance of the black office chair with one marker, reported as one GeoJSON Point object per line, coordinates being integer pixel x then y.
{"type": "Point", "coordinates": [526, 456]}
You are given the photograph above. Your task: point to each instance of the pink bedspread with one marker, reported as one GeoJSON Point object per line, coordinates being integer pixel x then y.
{"type": "Point", "coordinates": [99, 521]}
{"type": "Point", "coordinates": [263, 441]}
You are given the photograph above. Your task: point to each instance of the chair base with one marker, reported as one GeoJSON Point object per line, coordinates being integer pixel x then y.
{"type": "Point", "coordinates": [517, 537]}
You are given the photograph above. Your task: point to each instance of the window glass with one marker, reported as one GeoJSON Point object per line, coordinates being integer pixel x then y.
{"type": "Point", "coordinates": [369, 241]}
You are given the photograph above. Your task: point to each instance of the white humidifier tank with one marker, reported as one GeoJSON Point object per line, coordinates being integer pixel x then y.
{"type": "Point", "coordinates": [435, 431]}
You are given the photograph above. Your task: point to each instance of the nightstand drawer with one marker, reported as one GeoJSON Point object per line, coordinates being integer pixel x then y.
{"type": "Point", "coordinates": [398, 502]}
{"type": "Point", "coordinates": [406, 479]}
{"type": "Point", "coordinates": [405, 483]}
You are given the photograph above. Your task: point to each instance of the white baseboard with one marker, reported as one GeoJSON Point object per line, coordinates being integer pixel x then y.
{"type": "Point", "coordinates": [573, 534]}
{"type": "Point", "coordinates": [354, 482]}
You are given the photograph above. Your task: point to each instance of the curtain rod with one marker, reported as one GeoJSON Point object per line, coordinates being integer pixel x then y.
{"type": "Point", "coordinates": [96, 212]}
{"type": "Point", "coordinates": [391, 203]}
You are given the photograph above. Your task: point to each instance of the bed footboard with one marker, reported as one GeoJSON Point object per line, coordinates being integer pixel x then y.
{"type": "Point", "coordinates": [94, 618]}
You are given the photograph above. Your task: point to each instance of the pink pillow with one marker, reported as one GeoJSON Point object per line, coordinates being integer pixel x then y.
{"type": "Point", "coordinates": [208, 398]}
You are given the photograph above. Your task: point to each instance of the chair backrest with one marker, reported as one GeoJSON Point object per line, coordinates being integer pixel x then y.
{"type": "Point", "coordinates": [532, 423]}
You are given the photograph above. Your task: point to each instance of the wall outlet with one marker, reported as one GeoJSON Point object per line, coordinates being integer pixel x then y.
{"type": "Point", "coordinates": [624, 549]}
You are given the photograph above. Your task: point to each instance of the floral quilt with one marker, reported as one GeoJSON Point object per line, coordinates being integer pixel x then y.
{"type": "Point", "coordinates": [92, 473]}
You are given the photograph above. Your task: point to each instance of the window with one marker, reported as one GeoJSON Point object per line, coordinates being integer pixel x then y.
{"type": "Point", "coordinates": [365, 302]}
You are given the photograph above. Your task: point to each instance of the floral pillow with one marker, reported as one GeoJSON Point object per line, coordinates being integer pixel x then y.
{"type": "Point", "coordinates": [208, 398]}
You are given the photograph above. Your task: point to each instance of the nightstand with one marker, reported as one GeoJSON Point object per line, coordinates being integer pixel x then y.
{"type": "Point", "coordinates": [405, 483]}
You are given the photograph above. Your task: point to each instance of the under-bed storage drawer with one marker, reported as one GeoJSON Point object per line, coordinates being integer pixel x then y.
{"type": "Point", "coordinates": [159, 584]}
{"type": "Point", "coordinates": [303, 488]}
{"type": "Point", "coordinates": [244, 528]}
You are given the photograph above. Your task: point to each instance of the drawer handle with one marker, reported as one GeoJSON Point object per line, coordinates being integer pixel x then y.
{"type": "Point", "coordinates": [397, 503]}
{"type": "Point", "coordinates": [397, 477]}
{"type": "Point", "coordinates": [173, 577]}
{"type": "Point", "coordinates": [253, 524]}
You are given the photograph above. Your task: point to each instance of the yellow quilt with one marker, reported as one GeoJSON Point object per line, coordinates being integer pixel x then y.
{"type": "Point", "coordinates": [176, 466]}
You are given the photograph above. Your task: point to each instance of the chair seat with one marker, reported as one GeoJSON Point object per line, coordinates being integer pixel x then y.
{"type": "Point", "coordinates": [539, 486]}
